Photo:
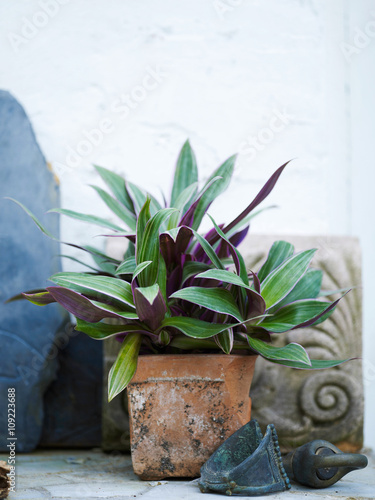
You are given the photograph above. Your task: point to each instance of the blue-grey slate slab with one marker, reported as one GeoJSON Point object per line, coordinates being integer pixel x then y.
{"type": "Point", "coordinates": [73, 402]}
{"type": "Point", "coordinates": [28, 356]}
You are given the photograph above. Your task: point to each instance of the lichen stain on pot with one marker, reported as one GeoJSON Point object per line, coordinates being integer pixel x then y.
{"type": "Point", "coordinates": [179, 416]}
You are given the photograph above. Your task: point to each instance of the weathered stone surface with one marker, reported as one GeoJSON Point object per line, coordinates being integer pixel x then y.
{"type": "Point", "coordinates": [27, 260]}
{"type": "Point", "coordinates": [73, 402]}
{"type": "Point", "coordinates": [183, 407]}
{"type": "Point", "coordinates": [4, 479]}
{"type": "Point", "coordinates": [325, 404]}
{"type": "Point", "coordinates": [115, 416]}
{"type": "Point", "coordinates": [91, 474]}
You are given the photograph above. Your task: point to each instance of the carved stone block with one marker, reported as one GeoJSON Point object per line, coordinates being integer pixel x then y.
{"type": "Point", "coordinates": [323, 404]}
{"type": "Point", "coordinates": [115, 416]}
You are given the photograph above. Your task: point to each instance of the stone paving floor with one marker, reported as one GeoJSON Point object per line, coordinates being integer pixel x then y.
{"type": "Point", "coordinates": [72, 474]}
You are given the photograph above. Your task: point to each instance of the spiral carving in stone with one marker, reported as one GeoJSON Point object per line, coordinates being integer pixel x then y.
{"type": "Point", "coordinates": [327, 397]}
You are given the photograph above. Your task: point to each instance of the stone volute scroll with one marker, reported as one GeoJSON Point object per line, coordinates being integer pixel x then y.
{"type": "Point", "coordinates": [324, 404]}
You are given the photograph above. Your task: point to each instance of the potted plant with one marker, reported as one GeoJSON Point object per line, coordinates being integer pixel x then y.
{"type": "Point", "coordinates": [187, 311]}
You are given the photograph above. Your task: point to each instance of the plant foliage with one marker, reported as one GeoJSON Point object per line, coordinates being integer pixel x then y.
{"type": "Point", "coordinates": [177, 289]}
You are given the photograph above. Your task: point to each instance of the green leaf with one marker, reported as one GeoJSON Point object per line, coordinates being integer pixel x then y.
{"type": "Point", "coordinates": [100, 331]}
{"type": "Point", "coordinates": [117, 208]}
{"type": "Point", "coordinates": [246, 220]}
{"type": "Point", "coordinates": [236, 255]}
{"type": "Point", "coordinates": [189, 343]}
{"type": "Point", "coordinates": [180, 203]}
{"type": "Point", "coordinates": [149, 249]}
{"type": "Point", "coordinates": [193, 268]}
{"type": "Point", "coordinates": [105, 262]}
{"type": "Point", "coordinates": [116, 184]}
{"type": "Point", "coordinates": [40, 298]}
{"type": "Point", "coordinates": [40, 301]}
{"type": "Point", "coordinates": [119, 292]}
{"type": "Point", "coordinates": [280, 251]}
{"type": "Point", "coordinates": [308, 287]}
{"type": "Point", "coordinates": [186, 172]}
{"type": "Point", "coordinates": [215, 299]}
{"type": "Point", "coordinates": [290, 352]}
{"type": "Point", "coordinates": [282, 279]}
{"type": "Point", "coordinates": [149, 292]}
{"type": "Point", "coordinates": [162, 279]}
{"type": "Point", "coordinates": [225, 171]}
{"type": "Point", "coordinates": [293, 314]}
{"type": "Point", "coordinates": [316, 364]}
{"type": "Point", "coordinates": [124, 312]}
{"type": "Point", "coordinates": [37, 222]}
{"type": "Point", "coordinates": [91, 219]}
{"type": "Point", "coordinates": [223, 275]}
{"type": "Point", "coordinates": [140, 268]}
{"type": "Point", "coordinates": [97, 253]}
{"type": "Point", "coordinates": [79, 262]}
{"type": "Point", "coordinates": [195, 328]}
{"type": "Point", "coordinates": [128, 266]}
{"type": "Point", "coordinates": [125, 365]}
{"type": "Point", "coordinates": [225, 340]}
{"type": "Point", "coordinates": [137, 195]}
{"type": "Point", "coordinates": [140, 196]}
{"type": "Point", "coordinates": [143, 217]}
{"type": "Point", "coordinates": [327, 293]}
{"type": "Point", "coordinates": [209, 251]}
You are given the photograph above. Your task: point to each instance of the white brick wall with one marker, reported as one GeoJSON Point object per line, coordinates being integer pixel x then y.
{"type": "Point", "coordinates": [221, 72]}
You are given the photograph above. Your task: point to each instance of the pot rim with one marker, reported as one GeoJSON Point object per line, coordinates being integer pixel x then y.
{"type": "Point", "coordinates": [195, 355]}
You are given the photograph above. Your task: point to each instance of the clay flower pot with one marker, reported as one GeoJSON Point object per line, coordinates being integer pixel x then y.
{"type": "Point", "coordinates": [182, 408]}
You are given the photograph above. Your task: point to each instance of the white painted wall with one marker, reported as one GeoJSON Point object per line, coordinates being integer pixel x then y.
{"type": "Point", "coordinates": [221, 72]}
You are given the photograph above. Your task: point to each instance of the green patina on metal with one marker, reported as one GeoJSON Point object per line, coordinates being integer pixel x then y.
{"type": "Point", "coordinates": [247, 463]}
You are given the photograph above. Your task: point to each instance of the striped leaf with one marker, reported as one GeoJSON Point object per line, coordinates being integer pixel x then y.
{"type": "Point", "coordinates": [224, 276]}
{"type": "Point", "coordinates": [316, 364]}
{"type": "Point", "coordinates": [225, 340]}
{"type": "Point", "coordinates": [236, 256]}
{"type": "Point", "coordinates": [308, 287]}
{"type": "Point", "coordinates": [291, 352]}
{"type": "Point", "coordinates": [195, 328]}
{"type": "Point", "coordinates": [128, 266]}
{"type": "Point", "coordinates": [284, 278]}
{"type": "Point", "coordinates": [37, 222]}
{"type": "Point", "coordinates": [101, 331]}
{"type": "Point", "coordinates": [116, 184]}
{"type": "Point", "coordinates": [209, 251]}
{"type": "Point", "coordinates": [149, 249]}
{"type": "Point", "coordinates": [280, 251]}
{"type": "Point", "coordinates": [91, 219]}
{"type": "Point", "coordinates": [117, 208]}
{"type": "Point", "coordinates": [180, 204]}
{"type": "Point", "coordinates": [125, 365]}
{"type": "Point", "coordinates": [225, 172]}
{"type": "Point", "coordinates": [39, 298]}
{"type": "Point", "coordinates": [186, 173]}
{"type": "Point", "coordinates": [294, 315]}
{"type": "Point", "coordinates": [150, 305]}
{"type": "Point", "coordinates": [215, 299]}
{"type": "Point", "coordinates": [103, 288]}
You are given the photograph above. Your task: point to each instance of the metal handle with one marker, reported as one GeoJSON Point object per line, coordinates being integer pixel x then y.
{"type": "Point", "coordinates": [319, 464]}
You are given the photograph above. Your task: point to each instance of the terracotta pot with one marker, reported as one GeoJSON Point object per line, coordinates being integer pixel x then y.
{"type": "Point", "coordinates": [182, 407]}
